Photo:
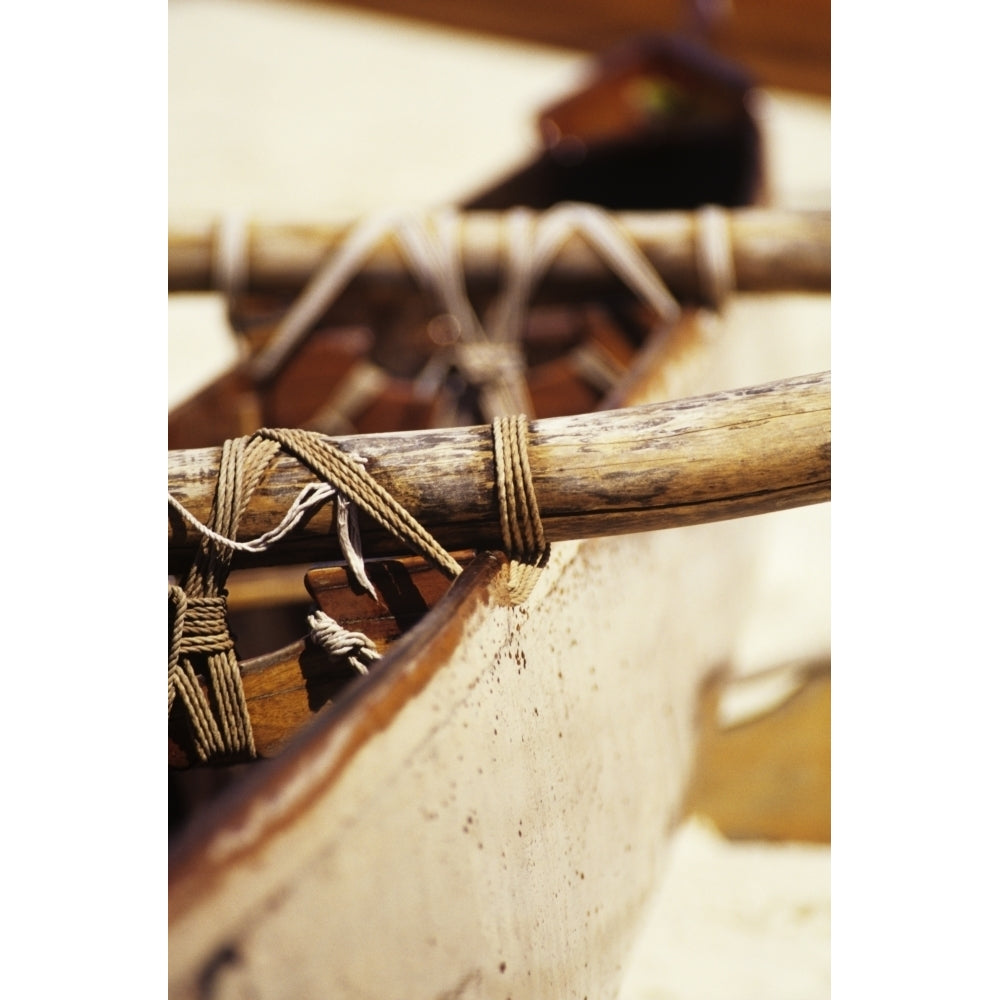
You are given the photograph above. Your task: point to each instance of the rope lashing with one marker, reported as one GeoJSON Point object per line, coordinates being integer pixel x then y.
{"type": "Point", "coordinates": [182, 682]}
{"type": "Point", "coordinates": [338, 642]}
{"type": "Point", "coordinates": [611, 241]}
{"type": "Point", "coordinates": [520, 520]}
{"type": "Point", "coordinates": [713, 248]}
{"type": "Point", "coordinates": [432, 250]}
{"type": "Point", "coordinates": [204, 627]}
{"type": "Point", "coordinates": [349, 476]}
{"type": "Point", "coordinates": [200, 639]}
{"type": "Point", "coordinates": [199, 634]}
{"type": "Point", "coordinates": [231, 259]}
{"type": "Point", "coordinates": [488, 357]}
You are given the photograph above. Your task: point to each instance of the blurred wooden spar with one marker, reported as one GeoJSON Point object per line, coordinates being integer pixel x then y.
{"type": "Point", "coordinates": [772, 250]}
{"type": "Point", "coordinates": [709, 458]}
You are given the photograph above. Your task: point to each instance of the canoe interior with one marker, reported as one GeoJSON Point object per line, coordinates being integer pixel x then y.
{"type": "Point", "coordinates": [371, 363]}
{"type": "Point", "coordinates": [476, 762]}
{"type": "Point", "coordinates": [360, 371]}
{"type": "Point", "coordinates": [268, 611]}
{"type": "Point", "coordinates": [485, 759]}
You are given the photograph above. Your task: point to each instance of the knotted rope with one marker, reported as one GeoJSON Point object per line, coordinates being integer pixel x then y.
{"type": "Point", "coordinates": [349, 476]}
{"type": "Point", "coordinates": [486, 354]}
{"type": "Point", "coordinates": [182, 680]}
{"type": "Point", "coordinates": [337, 642]}
{"type": "Point", "coordinates": [520, 520]}
{"type": "Point", "coordinates": [200, 633]}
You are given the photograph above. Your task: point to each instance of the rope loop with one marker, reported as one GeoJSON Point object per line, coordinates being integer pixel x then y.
{"type": "Point", "coordinates": [339, 643]}
{"type": "Point", "coordinates": [520, 519]}
{"type": "Point", "coordinates": [349, 477]}
{"type": "Point", "coordinates": [231, 257]}
{"type": "Point", "coordinates": [714, 255]}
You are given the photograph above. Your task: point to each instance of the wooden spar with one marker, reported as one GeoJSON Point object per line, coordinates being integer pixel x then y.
{"type": "Point", "coordinates": [709, 458]}
{"type": "Point", "coordinates": [773, 250]}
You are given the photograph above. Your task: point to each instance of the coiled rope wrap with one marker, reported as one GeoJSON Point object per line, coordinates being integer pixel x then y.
{"type": "Point", "coordinates": [520, 520]}
{"type": "Point", "coordinates": [200, 639]}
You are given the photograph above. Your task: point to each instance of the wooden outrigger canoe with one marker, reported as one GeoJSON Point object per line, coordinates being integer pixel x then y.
{"type": "Point", "coordinates": [486, 813]}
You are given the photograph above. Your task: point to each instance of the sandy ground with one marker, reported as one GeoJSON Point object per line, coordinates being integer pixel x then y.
{"type": "Point", "coordinates": [306, 112]}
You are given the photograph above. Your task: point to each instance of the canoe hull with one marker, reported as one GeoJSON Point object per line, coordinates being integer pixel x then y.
{"type": "Point", "coordinates": [488, 813]}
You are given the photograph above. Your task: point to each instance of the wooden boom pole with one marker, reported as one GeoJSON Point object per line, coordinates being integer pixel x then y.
{"type": "Point", "coordinates": [709, 458]}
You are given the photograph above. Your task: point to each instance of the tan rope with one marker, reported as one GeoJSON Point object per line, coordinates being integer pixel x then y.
{"type": "Point", "coordinates": [183, 682]}
{"type": "Point", "coordinates": [432, 250]}
{"type": "Point", "coordinates": [322, 290]}
{"type": "Point", "coordinates": [349, 476]}
{"type": "Point", "coordinates": [200, 636]}
{"type": "Point", "coordinates": [200, 629]}
{"type": "Point", "coordinates": [492, 365]}
{"type": "Point", "coordinates": [714, 255]}
{"type": "Point", "coordinates": [520, 520]}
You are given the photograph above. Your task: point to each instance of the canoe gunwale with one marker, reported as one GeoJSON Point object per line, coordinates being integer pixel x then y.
{"type": "Point", "coordinates": [367, 705]}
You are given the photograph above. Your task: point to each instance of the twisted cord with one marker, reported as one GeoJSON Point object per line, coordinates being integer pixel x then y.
{"type": "Point", "coordinates": [231, 258]}
{"type": "Point", "coordinates": [520, 519]}
{"type": "Point", "coordinates": [492, 364]}
{"type": "Point", "coordinates": [200, 634]}
{"type": "Point", "coordinates": [200, 627]}
{"type": "Point", "coordinates": [182, 682]}
{"type": "Point", "coordinates": [714, 255]}
{"type": "Point", "coordinates": [350, 477]}
{"type": "Point", "coordinates": [337, 642]}
{"type": "Point", "coordinates": [318, 295]}
{"type": "Point", "coordinates": [432, 250]}
{"type": "Point", "coordinates": [311, 496]}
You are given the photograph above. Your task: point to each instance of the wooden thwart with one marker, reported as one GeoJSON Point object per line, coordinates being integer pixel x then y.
{"type": "Point", "coordinates": [773, 250]}
{"type": "Point", "coordinates": [729, 454]}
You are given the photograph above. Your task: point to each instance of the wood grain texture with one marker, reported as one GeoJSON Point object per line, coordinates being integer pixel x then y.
{"type": "Point", "coordinates": [773, 250]}
{"type": "Point", "coordinates": [496, 800]}
{"type": "Point", "coordinates": [729, 454]}
{"type": "Point", "coordinates": [286, 687]}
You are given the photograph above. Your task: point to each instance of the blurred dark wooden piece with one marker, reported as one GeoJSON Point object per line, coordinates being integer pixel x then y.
{"type": "Point", "coordinates": [659, 122]}
{"type": "Point", "coordinates": [784, 43]}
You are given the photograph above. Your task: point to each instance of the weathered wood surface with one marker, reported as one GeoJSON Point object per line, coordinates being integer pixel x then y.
{"type": "Point", "coordinates": [725, 455]}
{"type": "Point", "coordinates": [773, 250]}
{"type": "Point", "coordinates": [497, 798]}
{"type": "Point", "coordinates": [285, 687]}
